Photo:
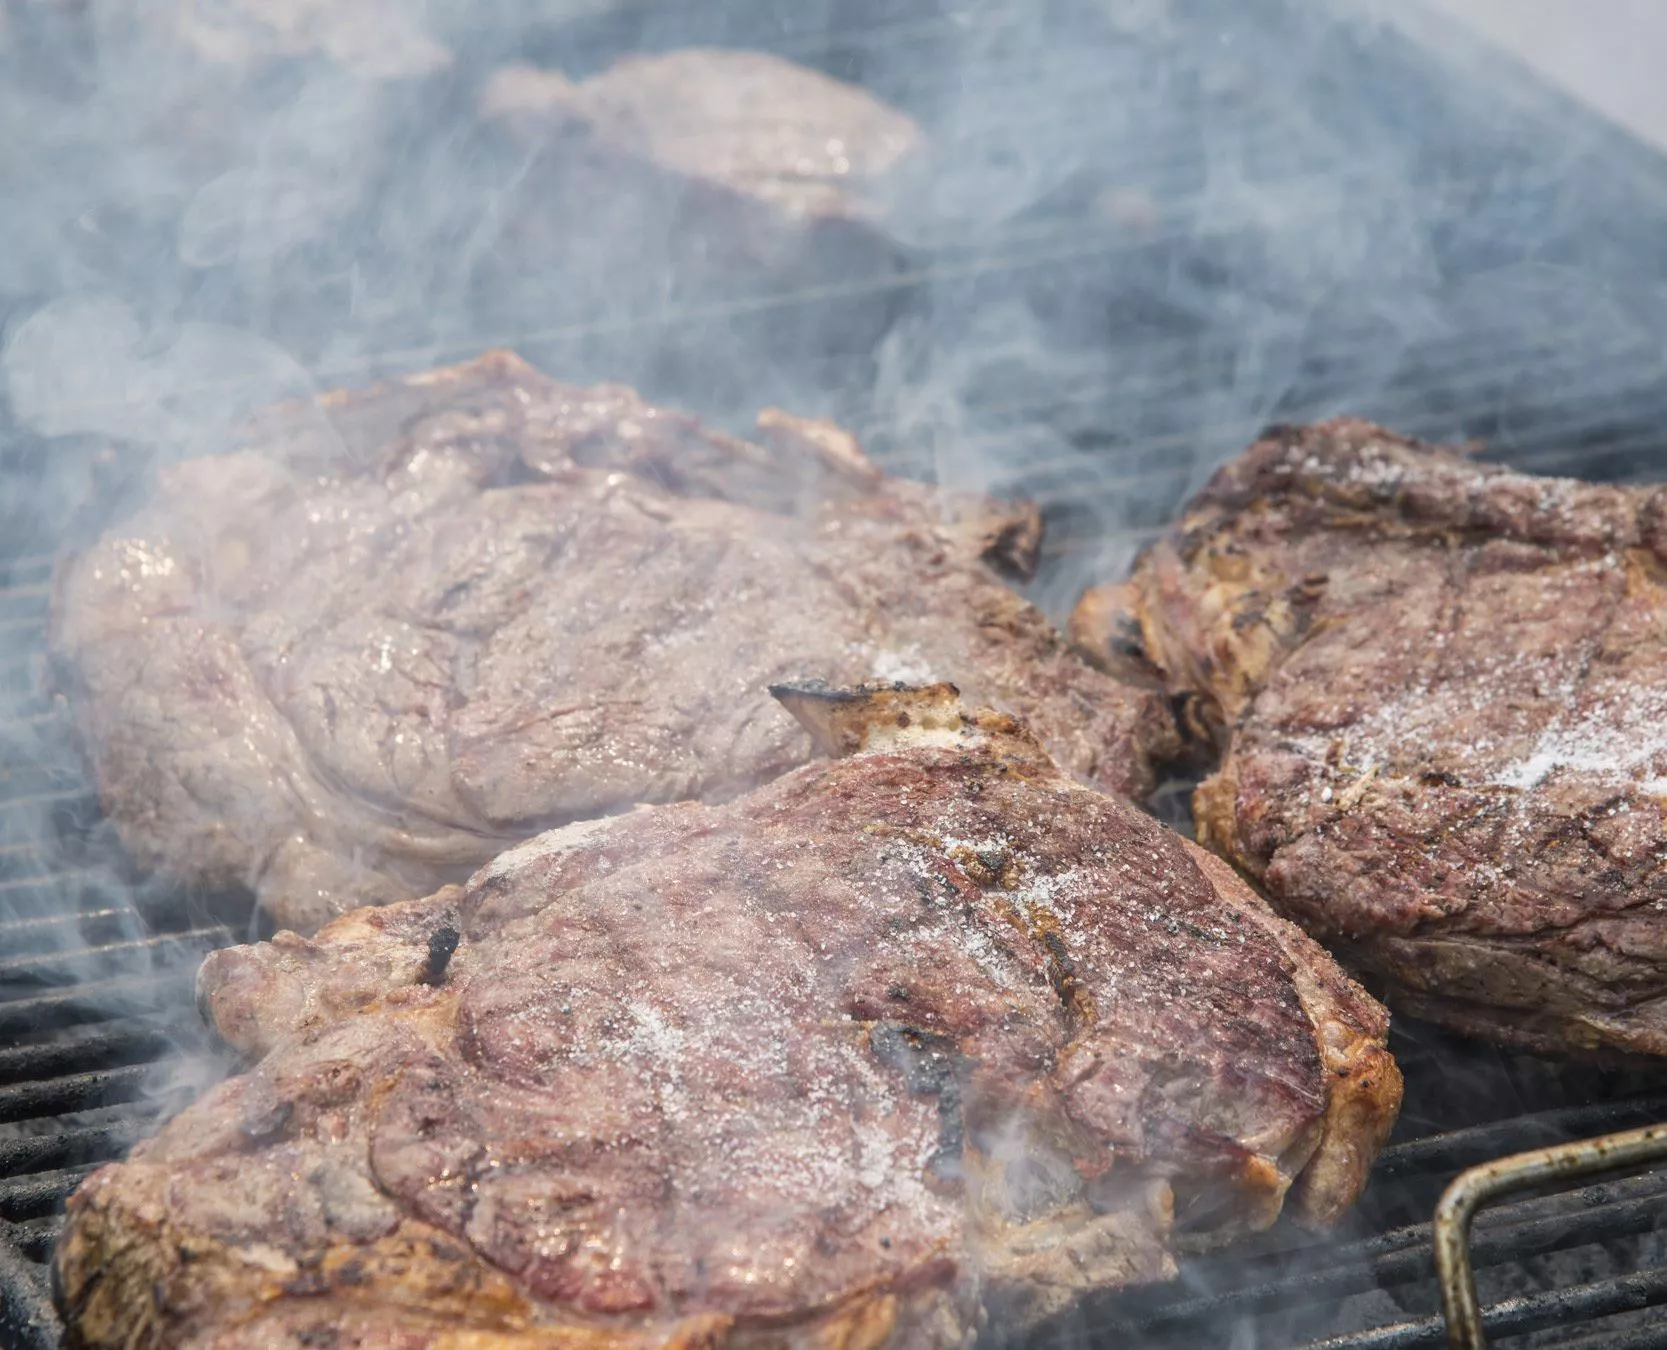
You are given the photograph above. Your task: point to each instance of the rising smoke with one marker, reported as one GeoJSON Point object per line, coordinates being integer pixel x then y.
{"type": "Point", "coordinates": [1142, 229]}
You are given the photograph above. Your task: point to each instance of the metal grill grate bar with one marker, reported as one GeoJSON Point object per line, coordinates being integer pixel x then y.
{"type": "Point", "coordinates": [1643, 1338]}
{"type": "Point", "coordinates": [72, 1147]}
{"type": "Point", "coordinates": [27, 601]}
{"type": "Point", "coordinates": [1459, 1149]}
{"type": "Point", "coordinates": [1506, 1233]}
{"type": "Point", "coordinates": [111, 1046]}
{"type": "Point", "coordinates": [76, 1092]}
{"type": "Point", "coordinates": [29, 568]}
{"type": "Point", "coordinates": [38, 1196]}
{"type": "Point", "coordinates": [53, 932]}
{"type": "Point", "coordinates": [99, 1001]}
{"type": "Point", "coordinates": [1514, 1316]}
{"type": "Point", "coordinates": [51, 799]}
{"type": "Point", "coordinates": [27, 1321]}
{"type": "Point", "coordinates": [37, 1236]}
{"type": "Point", "coordinates": [136, 955]}
{"type": "Point", "coordinates": [15, 890]}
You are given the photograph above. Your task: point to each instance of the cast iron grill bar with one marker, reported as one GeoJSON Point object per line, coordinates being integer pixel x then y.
{"type": "Point", "coordinates": [50, 796]}
{"type": "Point", "coordinates": [1456, 1150]}
{"type": "Point", "coordinates": [27, 1321]}
{"type": "Point", "coordinates": [1505, 1233]}
{"type": "Point", "coordinates": [25, 602]}
{"type": "Point", "coordinates": [38, 1196]}
{"type": "Point", "coordinates": [29, 566]}
{"type": "Point", "coordinates": [45, 933]}
{"type": "Point", "coordinates": [118, 1045]}
{"type": "Point", "coordinates": [61, 968]}
{"type": "Point", "coordinates": [1456, 1214]}
{"type": "Point", "coordinates": [99, 1001]}
{"type": "Point", "coordinates": [30, 779]}
{"type": "Point", "coordinates": [32, 1153]}
{"type": "Point", "coordinates": [73, 1092]}
{"type": "Point", "coordinates": [1515, 1316]}
{"type": "Point", "coordinates": [37, 1236]}
{"type": "Point", "coordinates": [1641, 1338]}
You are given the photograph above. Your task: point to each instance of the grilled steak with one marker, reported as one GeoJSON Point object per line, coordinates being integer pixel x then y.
{"type": "Point", "coordinates": [407, 626]}
{"type": "Point", "coordinates": [924, 1029]}
{"type": "Point", "coordinates": [1442, 692]}
{"type": "Point", "coordinates": [744, 122]}
{"type": "Point", "coordinates": [701, 174]}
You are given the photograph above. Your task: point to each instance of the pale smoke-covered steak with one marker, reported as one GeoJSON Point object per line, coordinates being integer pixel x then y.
{"type": "Point", "coordinates": [745, 122]}
{"type": "Point", "coordinates": [702, 173]}
{"type": "Point", "coordinates": [406, 626]}
{"type": "Point", "coordinates": [1442, 691]}
{"type": "Point", "coordinates": [921, 1032]}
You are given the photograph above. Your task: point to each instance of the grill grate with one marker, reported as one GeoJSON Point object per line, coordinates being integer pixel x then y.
{"type": "Point", "coordinates": [96, 1003]}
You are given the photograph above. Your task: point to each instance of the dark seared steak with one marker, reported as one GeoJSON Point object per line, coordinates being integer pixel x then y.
{"type": "Point", "coordinates": [1442, 691]}
{"type": "Point", "coordinates": [408, 626]}
{"type": "Point", "coordinates": [921, 1031]}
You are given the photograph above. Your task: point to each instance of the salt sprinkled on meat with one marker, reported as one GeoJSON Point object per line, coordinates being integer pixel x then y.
{"type": "Point", "coordinates": [898, 1031]}
{"type": "Point", "coordinates": [1441, 690]}
{"type": "Point", "coordinates": [1620, 740]}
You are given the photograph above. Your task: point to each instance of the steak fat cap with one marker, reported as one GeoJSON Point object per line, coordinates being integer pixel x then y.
{"type": "Point", "coordinates": [867, 718]}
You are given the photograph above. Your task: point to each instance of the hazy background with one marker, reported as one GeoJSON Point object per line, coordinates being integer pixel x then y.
{"type": "Point", "coordinates": [1607, 52]}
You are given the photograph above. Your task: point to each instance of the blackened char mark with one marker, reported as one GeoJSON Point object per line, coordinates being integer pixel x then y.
{"type": "Point", "coordinates": [442, 942]}
{"type": "Point", "coordinates": [931, 1067]}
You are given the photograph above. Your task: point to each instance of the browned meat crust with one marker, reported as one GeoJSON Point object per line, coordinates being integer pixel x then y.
{"type": "Point", "coordinates": [1441, 688]}
{"type": "Point", "coordinates": [407, 626]}
{"type": "Point", "coordinates": [893, 1041]}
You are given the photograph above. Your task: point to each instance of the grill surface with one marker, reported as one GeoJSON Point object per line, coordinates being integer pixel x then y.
{"type": "Point", "coordinates": [1100, 361]}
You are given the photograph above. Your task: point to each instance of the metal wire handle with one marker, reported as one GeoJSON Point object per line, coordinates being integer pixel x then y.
{"type": "Point", "coordinates": [1460, 1201]}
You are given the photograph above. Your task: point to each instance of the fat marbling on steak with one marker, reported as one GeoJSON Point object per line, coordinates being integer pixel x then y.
{"type": "Point", "coordinates": [921, 1032]}
{"type": "Point", "coordinates": [406, 626]}
{"type": "Point", "coordinates": [1441, 687]}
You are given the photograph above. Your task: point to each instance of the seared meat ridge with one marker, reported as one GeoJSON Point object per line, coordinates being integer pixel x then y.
{"type": "Point", "coordinates": [1441, 688]}
{"type": "Point", "coordinates": [896, 1040]}
{"type": "Point", "coordinates": [406, 626]}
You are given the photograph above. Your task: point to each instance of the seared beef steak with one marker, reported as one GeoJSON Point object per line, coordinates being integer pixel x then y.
{"type": "Point", "coordinates": [898, 1036]}
{"type": "Point", "coordinates": [1442, 690]}
{"type": "Point", "coordinates": [410, 625]}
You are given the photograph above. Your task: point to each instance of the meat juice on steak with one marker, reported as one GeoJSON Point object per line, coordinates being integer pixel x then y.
{"type": "Point", "coordinates": [901, 1038]}
{"type": "Point", "coordinates": [1441, 690]}
{"type": "Point", "coordinates": [407, 626]}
